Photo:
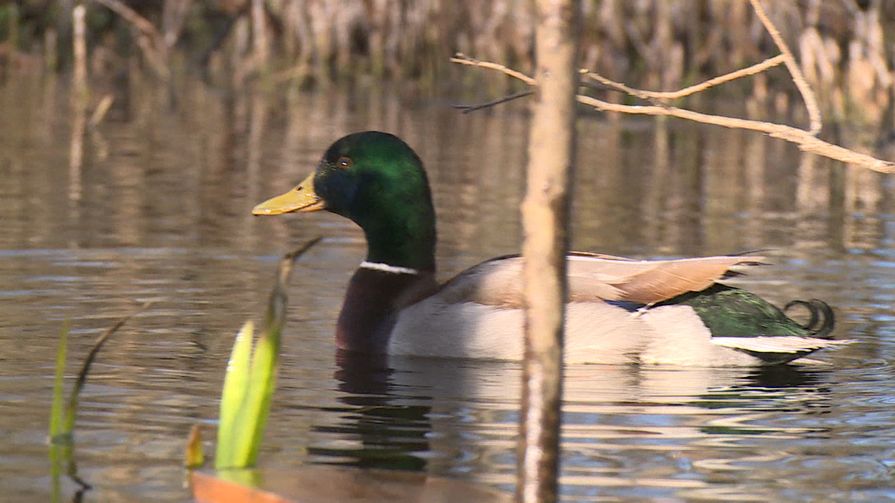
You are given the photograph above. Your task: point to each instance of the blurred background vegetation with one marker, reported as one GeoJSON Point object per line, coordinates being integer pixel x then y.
{"type": "Point", "coordinates": [845, 46]}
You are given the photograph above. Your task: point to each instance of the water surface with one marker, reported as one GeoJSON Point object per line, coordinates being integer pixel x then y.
{"type": "Point", "coordinates": [159, 209]}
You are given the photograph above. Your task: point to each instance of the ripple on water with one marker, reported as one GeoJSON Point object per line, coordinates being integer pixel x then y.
{"type": "Point", "coordinates": [164, 215]}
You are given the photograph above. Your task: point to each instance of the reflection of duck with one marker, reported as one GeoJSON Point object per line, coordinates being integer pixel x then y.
{"type": "Point", "coordinates": [460, 417]}
{"type": "Point", "coordinates": [664, 311]}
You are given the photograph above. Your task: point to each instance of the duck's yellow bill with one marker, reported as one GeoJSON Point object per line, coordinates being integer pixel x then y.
{"type": "Point", "coordinates": [301, 198]}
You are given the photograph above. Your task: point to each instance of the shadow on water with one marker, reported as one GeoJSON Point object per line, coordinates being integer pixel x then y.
{"type": "Point", "coordinates": [788, 376]}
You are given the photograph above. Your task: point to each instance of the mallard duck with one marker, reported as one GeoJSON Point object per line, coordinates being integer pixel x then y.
{"type": "Point", "coordinates": [620, 310]}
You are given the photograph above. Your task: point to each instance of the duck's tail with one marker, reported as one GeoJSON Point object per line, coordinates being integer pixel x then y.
{"type": "Point", "coordinates": [821, 321]}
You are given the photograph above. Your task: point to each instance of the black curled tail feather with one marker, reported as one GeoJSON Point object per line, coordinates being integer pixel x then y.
{"type": "Point", "coordinates": [812, 310]}
{"type": "Point", "coordinates": [821, 321]}
{"type": "Point", "coordinates": [828, 319]}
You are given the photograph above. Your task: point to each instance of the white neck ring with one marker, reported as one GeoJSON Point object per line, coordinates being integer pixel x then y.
{"type": "Point", "coordinates": [391, 269]}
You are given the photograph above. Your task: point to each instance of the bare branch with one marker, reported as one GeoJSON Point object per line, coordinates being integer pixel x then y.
{"type": "Point", "coordinates": [793, 67]}
{"type": "Point", "coordinates": [466, 60]}
{"type": "Point", "coordinates": [687, 91]}
{"type": "Point", "coordinates": [803, 139]}
{"type": "Point", "coordinates": [806, 140]}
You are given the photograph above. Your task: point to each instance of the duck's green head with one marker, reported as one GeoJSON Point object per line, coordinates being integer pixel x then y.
{"type": "Point", "coordinates": [377, 181]}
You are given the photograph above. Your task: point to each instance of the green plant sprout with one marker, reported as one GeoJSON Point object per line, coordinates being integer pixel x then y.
{"type": "Point", "coordinates": [62, 414]}
{"type": "Point", "coordinates": [251, 378]}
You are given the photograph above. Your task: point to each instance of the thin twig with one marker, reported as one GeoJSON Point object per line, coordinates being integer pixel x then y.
{"type": "Point", "coordinates": [687, 91]}
{"type": "Point", "coordinates": [805, 140]}
{"type": "Point", "coordinates": [472, 108]}
{"type": "Point", "coordinates": [798, 79]}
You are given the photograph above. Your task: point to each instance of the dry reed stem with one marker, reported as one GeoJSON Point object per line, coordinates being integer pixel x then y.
{"type": "Point", "coordinates": [79, 53]}
{"type": "Point", "coordinates": [79, 97]}
{"type": "Point", "coordinates": [131, 16]}
{"type": "Point", "coordinates": [814, 118]}
{"type": "Point", "coordinates": [687, 91]}
{"type": "Point", "coordinates": [260, 44]}
{"type": "Point", "coordinates": [150, 41]}
{"type": "Point", "coordinates": [102, 108]}
{"type": "Point", "coordinates": [295, 72]}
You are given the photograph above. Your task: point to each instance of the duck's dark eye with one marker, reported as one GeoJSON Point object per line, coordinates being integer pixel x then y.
{"type": "Point", "coordinates": [344, 162]}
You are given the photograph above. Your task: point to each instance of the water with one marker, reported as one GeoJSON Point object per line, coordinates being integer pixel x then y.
{"type": "Point", "coordinates": [159, 210]}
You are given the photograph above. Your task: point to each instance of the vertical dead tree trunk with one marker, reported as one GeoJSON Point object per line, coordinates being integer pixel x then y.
{"type": "Point", "coordinates": [545, 218]}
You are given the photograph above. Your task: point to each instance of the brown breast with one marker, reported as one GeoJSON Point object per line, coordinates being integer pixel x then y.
{"type": "Point", "coordinates": [371, 305]}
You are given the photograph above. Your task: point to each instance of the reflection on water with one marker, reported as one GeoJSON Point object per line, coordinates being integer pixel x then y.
{"type": "Point", "coordinates": [159, 209]}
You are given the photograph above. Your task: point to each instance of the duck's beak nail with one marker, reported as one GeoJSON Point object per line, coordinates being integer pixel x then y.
{"type": "Point", "coordinates": [300, 198]}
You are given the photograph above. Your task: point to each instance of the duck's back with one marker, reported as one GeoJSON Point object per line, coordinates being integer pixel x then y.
{"type": "Point", "coordinates": [615, 315]}
{"type": "Point", "coordinates": [479, 313]}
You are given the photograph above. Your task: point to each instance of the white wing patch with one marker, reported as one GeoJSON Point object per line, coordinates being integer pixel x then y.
{"type": "Point", "coordinates": [682, 339]}
{"type": "Point", "coordinates": [595, 332]}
